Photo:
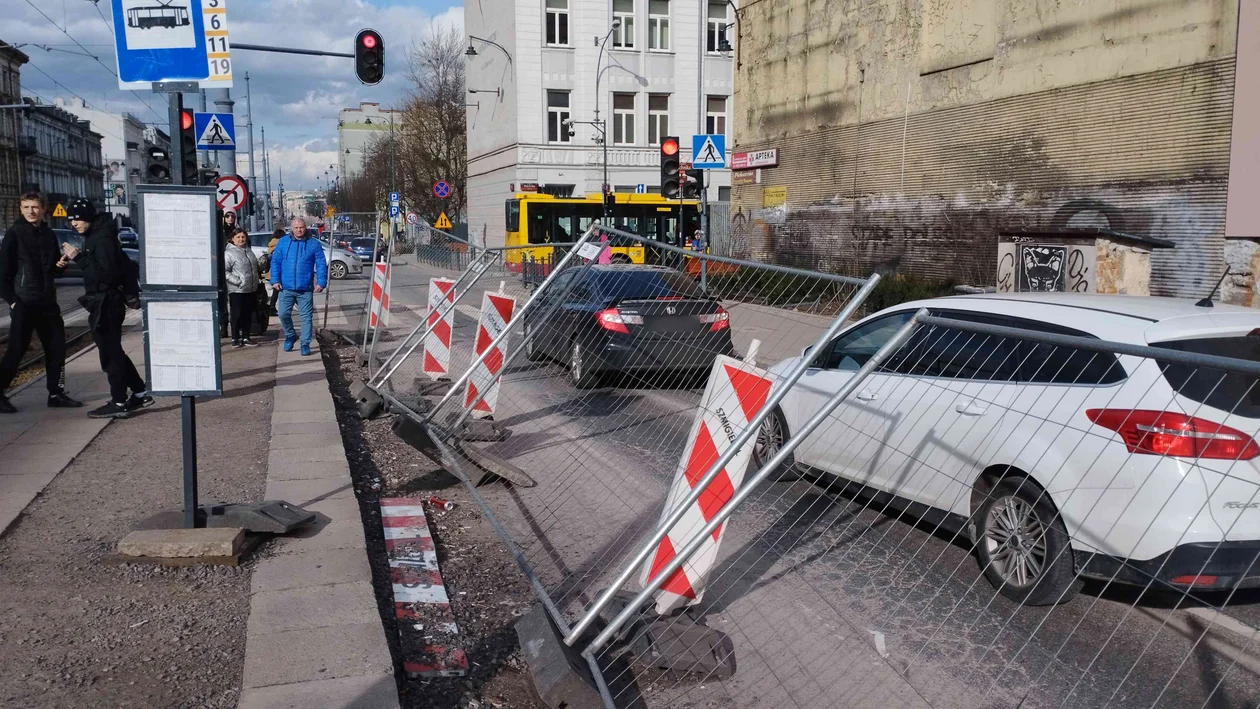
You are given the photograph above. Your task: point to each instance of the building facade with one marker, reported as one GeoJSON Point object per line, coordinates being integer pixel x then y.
{"type": "Point", "coordinates": [356, 127]}
{"type": "Point", "coordinates": [124, 143]}
{"type": "Point", "coordinates": [65, 161]}
{"type": "Point", "coordinates": [11, 146]}
{"type": "Point", "coordinates": [909, 135]}
{"type": "Point", "coordinates": [663, 72]}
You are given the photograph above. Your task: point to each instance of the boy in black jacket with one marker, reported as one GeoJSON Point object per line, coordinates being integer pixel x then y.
{"type": "Point", "coordinates": [30, 260]}
{"type": "Point", "coordinates": [104, 280]}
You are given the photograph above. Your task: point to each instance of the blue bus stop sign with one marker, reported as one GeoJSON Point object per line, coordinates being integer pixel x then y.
{"type": "Point", "coordinates": [159, 41]}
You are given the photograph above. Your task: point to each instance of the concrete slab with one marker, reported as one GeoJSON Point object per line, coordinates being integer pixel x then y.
{"type": "Point", "coordinates": [308, 607]}
{"type": "Point", "coordinates": [309, 471]}
{"type": "Point", "coordinates": [79, 429]}
{"type": "Point", "coordinates": [304, 492]}
{"type": "Point", "coordinates": [303, 441]}
{"type": "Point", "coordinates": [317, 654]}
{"type": "Point", "coordinates": [182, 543]}
{"type": "Point", "coordinates": [302, 401]}
{"type": "Point", "coordinates": [321, 428]}
{"type": "Point", "coordinates": [53, 462]}
{"type": "Point", "coordinates": [365, 692]}
{"type": "Point", "coordinates": [307, 569]}
{"type": "Point", "coordinates": [280, 418]}
{"type": "Point", "coordinates": [321, 454]}
{"type": "Point", "coordinates": [338, 509]}
{"type": "Point", "coordinates": [342, 534]}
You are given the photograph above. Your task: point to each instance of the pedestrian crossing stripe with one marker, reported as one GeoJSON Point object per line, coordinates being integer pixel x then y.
{"type": "Point", "coordinates": [215, 133]}
{"type": "Point", "coordinates": [444, 222]}
{"type": "Point", "coordinates": [60, 211]}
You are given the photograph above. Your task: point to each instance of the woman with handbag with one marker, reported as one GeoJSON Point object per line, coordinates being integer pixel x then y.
{"type": "Point", "coordinates": [243, 281]}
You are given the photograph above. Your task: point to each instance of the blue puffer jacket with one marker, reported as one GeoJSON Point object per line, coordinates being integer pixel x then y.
{"type": "Point", "coordinates": [298, 265]}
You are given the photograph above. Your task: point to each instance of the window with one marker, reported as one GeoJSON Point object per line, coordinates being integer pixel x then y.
{"type": "Point", "coordinates": [854, 348]}
{"type": "Point", "coordinates": [658, 25]}
{"type": "Point", "coordinates": [623, 119]}
{"type": "Point", "coordinates": [715, 115]}
{"type": "Point", "coordinates": [724, 194]}
{"type": "Point", "coordinates": [1230, 391]}
{"type": "Point", "coordinates": [558, 23]}
{"type": "Point", "coordinates": [717, 27]}
{"type": "Point", "coordinates": [512, 214]}
{"type": "Point", "coordinates": [557, 114]}
{"type": "Point", "coordinates": [955, 354]}
{"type": "Point", "coordinates": [1040, 363]}
{"type": "Point", "coordinates": [658, 118]}
{"type": "Point", "coordinates": [623, 36]}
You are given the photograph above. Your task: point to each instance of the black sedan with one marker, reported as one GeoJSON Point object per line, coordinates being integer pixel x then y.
{"type": "Point", "coordinates": [641, 320]}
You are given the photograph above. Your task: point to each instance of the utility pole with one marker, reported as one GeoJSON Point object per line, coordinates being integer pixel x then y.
{"type": "Point", "coordinates": [253, 181]}
{"type": "Point", "coordinates": [203, 156]}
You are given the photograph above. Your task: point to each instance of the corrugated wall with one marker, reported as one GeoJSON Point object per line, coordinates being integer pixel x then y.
{"type": "Point", "coordinates": [927, 194]}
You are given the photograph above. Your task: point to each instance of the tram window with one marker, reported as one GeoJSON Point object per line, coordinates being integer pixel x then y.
{"type": "Point", "coordinates": [512, 213]}
{"type": "Point", "coordinates": [540, 219]}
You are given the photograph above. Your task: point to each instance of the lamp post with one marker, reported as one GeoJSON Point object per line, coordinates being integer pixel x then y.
{"type": "Point", "coordinates": [601, 125]}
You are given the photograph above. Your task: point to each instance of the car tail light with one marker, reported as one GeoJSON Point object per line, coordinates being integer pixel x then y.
{"type": "Point", "coordinates": [718, 321]}
{"type": "Point", "coordinates": [612, 321]}
{"type": "Point", "coordinates": [1174, 434]}
{"type": "Point", "coordinates": [1194, 580]}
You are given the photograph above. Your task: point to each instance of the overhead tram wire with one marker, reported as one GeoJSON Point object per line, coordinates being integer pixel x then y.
{"type": "Point", "coordinates": [49, 102]}
{"type": "Point", "coordinates": [93, 56]}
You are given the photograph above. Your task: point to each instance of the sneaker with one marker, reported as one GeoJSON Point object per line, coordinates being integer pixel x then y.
{"type": "Point", "coordinates": [237, 344]}
{"type": "Point", "coordinates": [61, 401]}
{"type": "Point", "coordinates": [288, 344]}
{"type": "Point", "coordinates": [306, 350]}
{"type": "Point", "coordinates": [112, 410]}
{"type": "Point", "coordinates": [249, 343]}
{"type": "Point", "coordinates": [139, 401]}
{"type": "Point", "coordinates": [6, 407]}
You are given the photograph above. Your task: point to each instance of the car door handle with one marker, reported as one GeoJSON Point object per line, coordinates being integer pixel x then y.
{"type": "Point", "coordinates": [971, 408]}
{"type": "Point", "coordinates": [867, 395]}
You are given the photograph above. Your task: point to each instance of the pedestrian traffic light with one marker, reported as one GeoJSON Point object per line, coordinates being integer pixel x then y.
{"type": "Point", "coordinates": [188, 149]}
{"type": "Point", "coordinates": [670, 178]}
{"type": "Point", "coordinates": [157, 168]}
{"type": "Point", "coordinates": [692, 184]}
{"type": "Point", "coordinates": [369, 57]}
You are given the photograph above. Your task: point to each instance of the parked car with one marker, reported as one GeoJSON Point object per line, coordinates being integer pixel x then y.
{"type": "Point", "coordinates": [129, 238]}
{"type": "Point", "coordinates": [364, 246]}
{"type": "Point", "coordinates": [341, 263]}
{"type": "Point", "coordinates": [1054, 462]}
{"type": "Point", "coordinates": [634, 319]}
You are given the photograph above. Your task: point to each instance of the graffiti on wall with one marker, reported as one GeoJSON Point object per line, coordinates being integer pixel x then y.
{"type": "Point", "coordinates": [1046, 268]}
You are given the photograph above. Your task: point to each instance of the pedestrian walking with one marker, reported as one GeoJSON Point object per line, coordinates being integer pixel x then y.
{"type": "Point", "coordinates": [109, 279]}
{"type": "Point", "coordinates": [243, 281]}
{"type": "Point", "coordinates": [30, 261]}
{"type": "Point", "coordinates": [299, 270]}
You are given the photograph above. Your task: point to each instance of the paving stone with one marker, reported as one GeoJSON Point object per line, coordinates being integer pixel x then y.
{"type": "Point", "coordinates": [337, 509]}
{"type": "Point", "coordinates": [322, 428]}
{"type": "Point", "coordinates": [338, 534]}
{"type": "Point", "coordinates": [304, 492]}
{"type": "Point", "coordinates": [303, 441]}
{"type": "Point", "coordinates": [312, 568]}
{"type": "Point", "coordinates": [317, 654]}
{"type": "Point", "coordinates": [182, 543]}
{"type": "Point", "coordinates": [309, 471]}
{"type": "Point", "coordinates": [321, 454]}
{"type": "Point", "coordinates": [320, 606]}
{"type": "Point", "coordinates": [282, 418]}
{"type": "Point", "coordinates": [364, 692]}
{"type": "Point", "coordinates": [52, 459]}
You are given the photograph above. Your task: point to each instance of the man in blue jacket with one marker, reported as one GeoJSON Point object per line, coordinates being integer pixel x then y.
{"type": "Point", "coordinates": [299, 270]}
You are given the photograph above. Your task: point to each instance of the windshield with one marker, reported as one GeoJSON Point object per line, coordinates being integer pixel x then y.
{"type": "Point", "coordinates": [1231, 392]}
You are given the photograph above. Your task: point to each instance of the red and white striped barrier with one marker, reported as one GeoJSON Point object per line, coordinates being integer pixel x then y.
{"type": "Point", "coordinates": [737, 391]}
{"type": "Point", "coordinates": [496, 313]}
{"type": "Point", "coordinates": [378, 314]}
{"type": "Point", "coordinates": [437, 341]}
{"type": "Point", "coordinates": [426, 625]}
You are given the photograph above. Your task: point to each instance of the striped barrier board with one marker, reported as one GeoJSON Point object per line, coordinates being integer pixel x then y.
{"type": "Point", "coordinates": [437, 341]}
{"type": "Point", "coordinates": [427, 629]}
{"type": "Point", "coordinates": [736, 392]}
{"type": "Point", "coordinates": [496, 313]}
{"type": "Point", "coordinates": [378, 314]}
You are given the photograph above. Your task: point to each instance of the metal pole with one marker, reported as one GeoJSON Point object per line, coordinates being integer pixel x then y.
{"type": "Point", "coordinates": [174, 103]}
{"type": "Point", "coordinates": [226, 158]}
{"type": "Point", "coordinates": [704, 227]}
{"type": "Point", "coordinates": [188, 416]}
{"type": "Point", "coordinates": [253, 180]}
{"type": "Point", "coordinates": [745, 437]}
{"type": "Point", "coordinates": [748, 487]}
{"type": "Point", "coordinates": [203, 156]}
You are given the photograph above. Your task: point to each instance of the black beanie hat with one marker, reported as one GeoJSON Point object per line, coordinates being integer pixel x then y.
{"type": "Point", "coordinates": [81, 210]}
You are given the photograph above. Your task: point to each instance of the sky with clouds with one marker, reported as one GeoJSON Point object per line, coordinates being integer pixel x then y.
{"type": "Point", "coordinates": [296, 98]}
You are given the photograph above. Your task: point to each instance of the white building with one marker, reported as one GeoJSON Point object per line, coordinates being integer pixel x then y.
{"type": "Point", "coordinates": [124, 141]}
{"type": "Point", "coordinates": [356, 127]}
{"type": "Point", "coordinates": [662, 75]}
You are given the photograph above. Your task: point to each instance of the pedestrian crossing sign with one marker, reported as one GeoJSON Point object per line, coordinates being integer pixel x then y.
{"type": "Point", "coordinates": [444, 222]}
{"type": "Point", "coordinates": [60, 211]}
{"type": "Point", "coordinates": [708, 152]}
{"type": "Point", "coordinates": [215, 131]}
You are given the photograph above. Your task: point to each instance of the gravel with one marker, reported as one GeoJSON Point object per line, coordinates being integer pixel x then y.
{"type": "Point", "coordinates": [487, 591]}
{"type": "Point", "coordinates": [77, 633]}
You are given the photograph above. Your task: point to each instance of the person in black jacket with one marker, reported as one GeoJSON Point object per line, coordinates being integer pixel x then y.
{"type": "Point", "coordinates": [30, 260]}
{"type": "Point", "coordinates": [105, 275]}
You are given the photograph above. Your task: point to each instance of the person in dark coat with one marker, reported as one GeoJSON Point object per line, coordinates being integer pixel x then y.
{"type": "Point", "coordinates": [30, 261]}
{"type": "Point", "coordinates": [105, 277]}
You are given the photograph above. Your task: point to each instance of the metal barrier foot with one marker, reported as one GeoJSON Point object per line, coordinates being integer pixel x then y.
{"type": "Point", "coordinates": [424, 386]}
{"type": "Point", "coordinates": [484, 430]}
{"type": "Point", "coordinates": [678, 643]}
{"type": "Point", "coordinates": [369, 403]}
{"type": "Point", "coordinates": [559, 675]}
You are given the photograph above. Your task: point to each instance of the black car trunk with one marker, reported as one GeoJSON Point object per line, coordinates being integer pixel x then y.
{"type": "Point", "coordinates": [668, 318]}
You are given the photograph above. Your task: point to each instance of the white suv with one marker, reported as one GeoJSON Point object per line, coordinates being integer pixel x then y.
{"type": "Point", "coordinates": [1054, 462]}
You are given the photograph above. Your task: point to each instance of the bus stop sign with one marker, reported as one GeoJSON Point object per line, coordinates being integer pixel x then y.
{"type": "Point", "coordinates": [159, 41]}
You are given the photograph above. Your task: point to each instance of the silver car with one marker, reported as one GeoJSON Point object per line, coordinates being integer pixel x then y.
{"type": "Point", "coordinates": [341, 263]}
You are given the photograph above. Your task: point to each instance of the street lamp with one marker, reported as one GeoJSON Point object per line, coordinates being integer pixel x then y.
{"type": "Point", "coordinates": [497, 92]}
{"type": "Point", "coordinates": [602, 126]}
{"type": "Point", "coordinates": [472, 51]}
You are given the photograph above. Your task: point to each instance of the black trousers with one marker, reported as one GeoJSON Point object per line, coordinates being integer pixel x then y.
{"type": "Point", "coordinates": [242, 314]}
{"type": "Point", "coordinates": [44, 320]}
{"type": "Point", "coordinates": [107, 331]}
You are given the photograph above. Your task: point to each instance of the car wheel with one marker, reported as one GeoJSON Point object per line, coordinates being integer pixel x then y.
{"type": "Point", "coordinates": [532, 353]}
{"type": "Point", "coordinates": [579, 365]}
{"type": "Point", "coordinates": [770, 439]}
{"type": "Point", "coordinates": [1023, 547]}
{"type": "Point", "coordinates": [337, 270]}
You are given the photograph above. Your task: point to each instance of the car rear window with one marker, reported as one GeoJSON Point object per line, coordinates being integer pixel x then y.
{"type": "Point", "coordinates": [362, 243]}
{"type": "Point", "coordinates": [636, 285]}
{"type": "Point", "coordinates": [1228, 391]}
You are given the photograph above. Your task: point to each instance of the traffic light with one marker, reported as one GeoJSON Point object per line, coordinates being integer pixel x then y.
{"type": "Point", "coordinates": [670, 184]}
{"type": "Point", "coordinates": [369, 57]}
{"type": "Point", "coordinates": [207, 177]}
{"type": "Point", "coordinates": [693, 184]}
{"type": "Point", "coordinates": [189, 174]}
{"type": "Point", "coordinates": [157, 165]}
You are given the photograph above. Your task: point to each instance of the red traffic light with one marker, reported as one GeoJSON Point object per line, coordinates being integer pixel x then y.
{"type": "Point", "coordinates": [185, 120]}
{"type": "Point", "coordinates": [369, 41]}
{"type": "Point", "coordinates": [669, 147]}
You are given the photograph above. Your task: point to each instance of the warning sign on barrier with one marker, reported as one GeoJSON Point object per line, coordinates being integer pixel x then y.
{"type": "Point", "coordinates": [437, 341]}
{"type": "Point", "coordinates": [496, 313]}
{"type": "Point", "coordinates": [378, 314]}
{"type": "Point", "coordinates": [736, 392]}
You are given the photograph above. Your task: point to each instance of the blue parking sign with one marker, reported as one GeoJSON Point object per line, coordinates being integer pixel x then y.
{"type": "Point", "coordinates": [157, 42]}
{"type": "Point", "coordinates": [394, 211]}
